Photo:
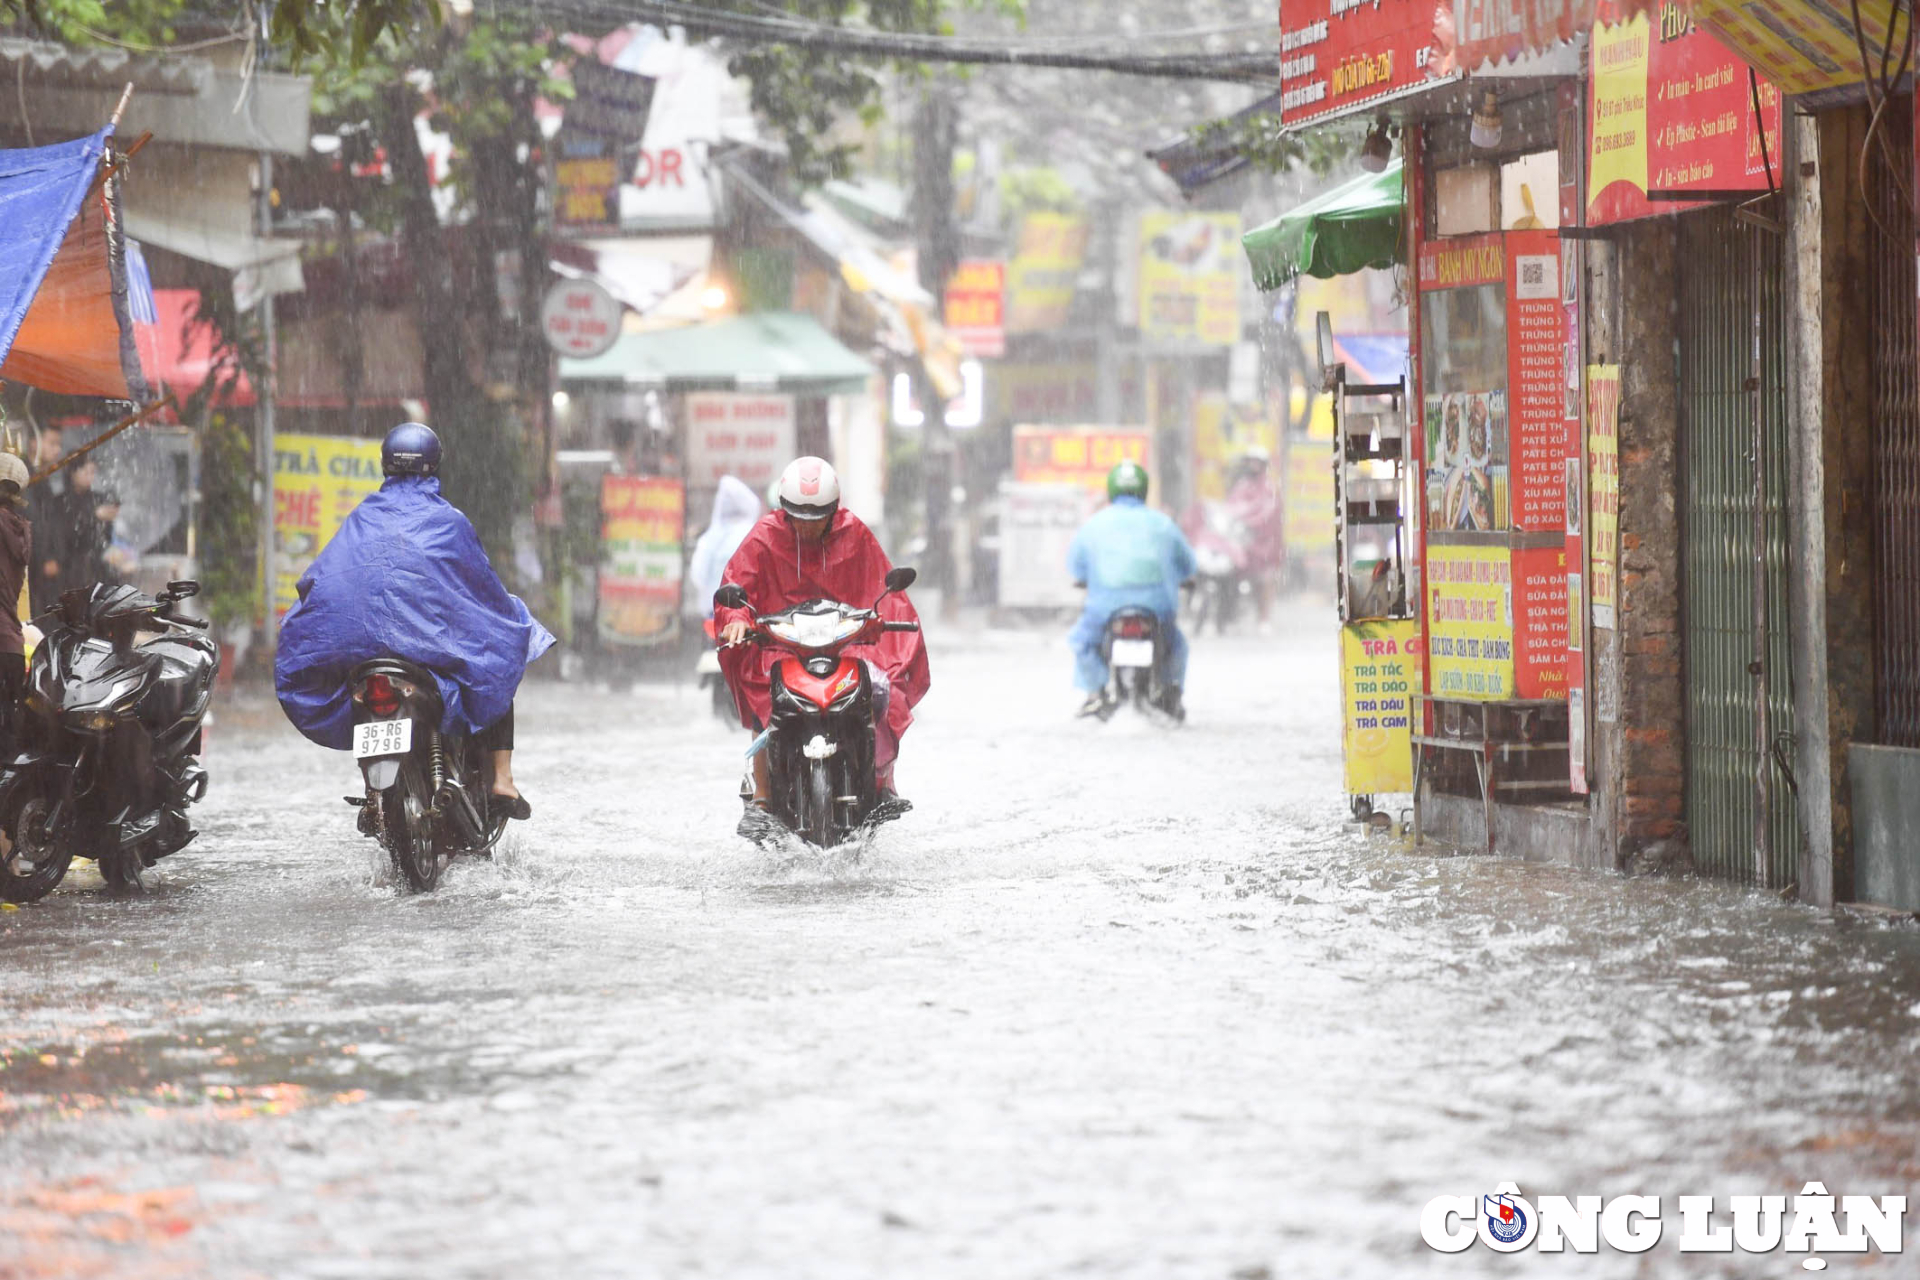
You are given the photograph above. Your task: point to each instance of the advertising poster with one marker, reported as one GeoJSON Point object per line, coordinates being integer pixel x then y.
{"type": "Point", "coordinates": [1540, 622]}
{"type": "Point", "coordinates": [1044, 271]}
{"type": "Point", "coordinates": [642, 518]}
{"type": "Point", "coordinates": [1190, 269]}
{"type": "Point", "coordinates": [1037, 524]}
{"type": "Point", "coordinates": [1334, 53]}
{"type": "Point", "coordinates": [1379, 674]}
{"type": "Point", "coordinates": [1078, 455]}
{"type": "Point", "coordinates": [1467, 480]}
{"type": "Point", "coordinates": [1603, 505]}
{"type": "Point", "coordinates": [1224, 431]}
{"type": "Point", "coordinates": [975, 310]}
{"type": "Point", "coordinates": [747, 436]}
{"type": "Point", "coordinates": [1802, 47]}
{"type": "Point", "coordinates": [1307, 504]}
{"type": "Point", "coordinates": [1470, 622]}
{"type": "Point", "coordinates": [1466, 368]}
{"type": "Point", "coordinates": [317, 482]}
{"type": "Point", "coordinates": [1536, 395]}
{"type": "Point", "coordinates": [1671, 109]}
{"type": "Point", "coordinates": [586, 181]}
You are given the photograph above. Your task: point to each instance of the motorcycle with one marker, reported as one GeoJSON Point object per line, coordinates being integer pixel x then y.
{"type": "Point", "coordinates": [108, 759]}
{"type": "Point", "coordinates": [706, 669]}
{"type": "Point", "coordinates": [426, 796]}
{"type": "Point", "coordinates": [820, 741]}
{"type": "Point", "coordinates": [1136, 650]}
{"type": "Point", "coordinates": [1220, 556]}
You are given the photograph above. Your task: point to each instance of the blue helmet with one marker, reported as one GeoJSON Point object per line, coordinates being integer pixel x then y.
{"type": "Point", "coordinates": [410, 449]}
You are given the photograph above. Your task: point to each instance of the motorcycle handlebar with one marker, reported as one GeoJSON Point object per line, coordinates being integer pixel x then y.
{"type": "Point", "coordinates": [899, 626]}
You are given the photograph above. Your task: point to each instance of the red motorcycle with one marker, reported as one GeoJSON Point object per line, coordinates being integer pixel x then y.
{"type": "Point", "coordinates": [820, 742]}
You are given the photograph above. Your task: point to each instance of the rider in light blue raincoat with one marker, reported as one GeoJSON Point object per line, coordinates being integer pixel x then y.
{"type": "Point", "coordinates": [406, 577]}
{"type": "Point", "coordinates": [1128, 554]}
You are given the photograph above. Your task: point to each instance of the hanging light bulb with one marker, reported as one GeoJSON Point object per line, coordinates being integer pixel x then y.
{"type": "Point", "coordinates": [1377, 150]}
{"type": "Point", "coordinates": [1485, 133]}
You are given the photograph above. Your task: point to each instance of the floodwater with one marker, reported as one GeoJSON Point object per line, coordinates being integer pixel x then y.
{"type": "Point", "coordinates": [1113, 1001]}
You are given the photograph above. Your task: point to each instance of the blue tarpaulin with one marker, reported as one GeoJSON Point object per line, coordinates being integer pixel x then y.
{"type": "Point", "coordinates": [65, 320]}
{"type": "Point", "coordinates": [405, 577]}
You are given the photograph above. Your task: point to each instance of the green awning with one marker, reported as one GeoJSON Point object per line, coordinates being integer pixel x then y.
{"type": "Point", "coordinates": [761, 351]}
{"type": "Point", "coordinates": [1334, 234]}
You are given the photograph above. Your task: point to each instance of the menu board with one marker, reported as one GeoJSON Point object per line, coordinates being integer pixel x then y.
{"type": "Point", "coordinates": [1470, 622]}
{"type": "Point", "coordinates": [1379, 669]}
{"type": "Point", "coordinates": [1540, 622]}
{"type": "Point", "coordinates": [1536, 400]}
{"type": "Point", "coordinates": [1672, 110]}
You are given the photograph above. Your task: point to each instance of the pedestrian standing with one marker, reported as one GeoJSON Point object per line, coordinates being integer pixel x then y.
{"type": "Point", "coordinates": [78, 553]}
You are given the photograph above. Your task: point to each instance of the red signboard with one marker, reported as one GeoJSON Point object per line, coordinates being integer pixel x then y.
{"type": "Point", "coordinates": [1670, 109]}
{"type": "Point", "coordinates": [1462, 262]}
{"type": "Point", "coordinates": [1540, 622]}
{"type": "Point", "coordinates": [1498, 29]}
{"type": "Point", "coordinates": [976, 306]}
{"type": "Point", "coordinates": [1536, 374]}
{"type": "Point", "coordinates": [1338, 54]}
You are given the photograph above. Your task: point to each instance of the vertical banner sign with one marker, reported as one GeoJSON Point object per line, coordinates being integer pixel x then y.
{"type": "Point", "coordinates": [1335, 53]}
{"type": "Point", "coordinates": [750, 437]}
{"type": "Point", "coordinates": [1379, 673]}
{"type": "Point", "coordinates": [1308, 501]}
{"type": "Point", "coordinates": [317, 482]}
{"type": "Point", "coordinates": [1077, 455]}
{"type": "Point", "coordinates": [1190, 269]}
{"type": "Point", "coordinates": [642, 518]}
{"type": "Point", "coordinates": [1043, 273]}
{"type": "Point", "coordinates": [1540, 622]}
{"type": "Point", "coordinates": [1470, 622]}
{"type": "Point", "coordinates": [1603, 506]}
{"type": "Point", "coordinates": [1536, 398]}
{"type": "Point", "coordinates": [976, 307]}
{"type": "Point", "coordinates": [1671, 110]}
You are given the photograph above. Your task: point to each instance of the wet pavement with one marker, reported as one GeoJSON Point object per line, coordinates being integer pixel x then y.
{"type": "Point", "coordinates": [1112, 1001]}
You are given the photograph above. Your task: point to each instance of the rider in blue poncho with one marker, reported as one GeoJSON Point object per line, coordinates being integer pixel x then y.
{"type": "Point", "coordinates": [406, 577]}
{"type": "Point", "coordinates": [1128, 554]}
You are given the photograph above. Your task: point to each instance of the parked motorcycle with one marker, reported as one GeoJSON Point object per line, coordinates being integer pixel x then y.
{"type": "Point", "coordinates": [1136, 650]}
{"type": "Point", "coordinates": [426, 797]}
{"type": "Point", "coordinates": [820, 742]}
{"type": "Point", "coordinates": [108, 758]}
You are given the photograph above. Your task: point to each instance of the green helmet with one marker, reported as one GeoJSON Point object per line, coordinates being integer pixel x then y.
{"type": "Point", "coordinates": [1128, 478]}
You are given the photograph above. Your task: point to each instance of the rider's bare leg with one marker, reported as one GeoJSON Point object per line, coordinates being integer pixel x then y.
{"type": "Point", "coordinates": [503, 774]}
{"type": "Point", "coordinates": [762, 779]}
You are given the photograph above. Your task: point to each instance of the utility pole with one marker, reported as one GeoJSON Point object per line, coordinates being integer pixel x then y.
{"type": "Point", "coordinates": [264, 432]}
{"type": "Point", "coordinates": [938, 252]}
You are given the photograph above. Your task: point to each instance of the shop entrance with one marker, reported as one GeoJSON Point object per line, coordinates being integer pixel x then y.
{"type": "Point", "coordinates": [1726, 550]}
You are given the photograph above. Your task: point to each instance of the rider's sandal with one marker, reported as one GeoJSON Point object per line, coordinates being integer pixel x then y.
{"type": "Point", "coordinates": [512, 807]}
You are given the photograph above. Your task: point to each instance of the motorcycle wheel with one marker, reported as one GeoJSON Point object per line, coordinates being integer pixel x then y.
{"type": "Point", "coordinates": [51, 852]}
{"type": "Point", "coordinates": [816, 806]}
{"type": "Point", "coordinates": [410, 837]}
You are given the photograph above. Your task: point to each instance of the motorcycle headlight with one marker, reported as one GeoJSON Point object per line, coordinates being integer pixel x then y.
{"type": "Point", "coordinates": [98, 721]}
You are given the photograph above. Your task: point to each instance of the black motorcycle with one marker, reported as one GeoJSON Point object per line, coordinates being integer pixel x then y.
{"type": "Point", "coordinates": [108, 758]}
{"type": "Point", "coordinates": [426, 798]}
{"type": "Point", "coordinates": [1136, 649]}
{"type": "Point", "coordinates": [820, 744]}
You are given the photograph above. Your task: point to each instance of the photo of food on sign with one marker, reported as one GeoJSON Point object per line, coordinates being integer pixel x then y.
{"type": "Point", "coordinates": [1467, 460]}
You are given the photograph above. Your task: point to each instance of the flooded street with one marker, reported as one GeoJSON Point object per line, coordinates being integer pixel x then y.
{"type": "Point", "coordinates": [1111, 1001]}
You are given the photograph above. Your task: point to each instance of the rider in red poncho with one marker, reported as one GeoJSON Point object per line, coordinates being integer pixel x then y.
{"type": "Point", "coordinates": [811, 549]}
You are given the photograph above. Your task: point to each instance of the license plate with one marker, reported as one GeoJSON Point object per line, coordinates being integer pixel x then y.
{"type": "Point", "coordinates": [1133, 653]}
{"type": "Point", "coordinates": [382, 738]}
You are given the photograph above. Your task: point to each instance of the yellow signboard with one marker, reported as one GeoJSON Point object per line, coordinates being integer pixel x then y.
{"type": "Point", "coordinates": [1308, 506]}
{"type": "Point", "coordinates": [1603, 507]}
{"type": "Point", "coordinates": [317, 482]}
{"type": "Point", "coordinates": [1379, 671]}
{"type": "Point", "coordinates": [1222, 432]}
{"type": "Point", "coordinates": [1190, 269]}
{"type": "Point", "coordinates": [1470, 621]}
{"type": "Point", "coordinates": [1043, 272]}
{"type": "Point", "coordinates": [1801, 47]}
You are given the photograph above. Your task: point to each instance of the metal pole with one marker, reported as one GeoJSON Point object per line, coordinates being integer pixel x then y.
{"type": "Point", "coordinates": [1762, 759]}
{"type": "Point", "coordinates": [269, 572]}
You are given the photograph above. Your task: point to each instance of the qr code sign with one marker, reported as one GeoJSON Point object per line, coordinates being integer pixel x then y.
{"type": "Point", "coordinates": [1536, 276]}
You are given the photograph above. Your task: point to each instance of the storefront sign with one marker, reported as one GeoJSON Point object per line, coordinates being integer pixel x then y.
{"type": "Point", "coordinates": [317, 482]}
{"type": "Point", "coordinates": [1462, 262]}
{"type": "Point", "coordinates": [580, 319]}
{"type": "Point", "coordinates": [1037, 524]}
{"type": "Point", "coordinates": [1307, 506]}
{"type": "Point", "coordinates": [1803, 47]}
{"type": "Point", "coordinates": [1077, 455]}
{"type": "Point", "coordinates": [1379, 673]}
{"type": "Point", "coordinates": [1044, 271]}
{"type": "Point", "coordinates": [1223, 432]}
{"type": "Point", "coordinates": [1603, 507]}
{"type": "Point", "coordinates": [1190, 271]}
{"type": "Point", "coordinates": [1043, 393]}
{"type": "Point", "coordinates": [586, 181]}
{"type": "Point", "coordinates": [976, 306]}
{"type": "Point", "coordinates": [1338, 54]}
{"type": "Point", "coordinates": [1536, 397]}
{"type": "Point", "coordinates": [1672, 110]}
{"type": "Point", "coordinates": [1470, 622]}
{"type": "Point", "coordinates": [1495, 29]}
{"type": "Point", "coordinates": [608, 100]}
{"type": "Point", "coordinates": [750, 437]}
{"type": "Point", "coordinates": [1540, 622]}
{"type": "Point", "coordinates": [642, 520]}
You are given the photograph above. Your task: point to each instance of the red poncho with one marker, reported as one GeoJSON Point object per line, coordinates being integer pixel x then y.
{"type": "Point", "coordinates": [779, 571]}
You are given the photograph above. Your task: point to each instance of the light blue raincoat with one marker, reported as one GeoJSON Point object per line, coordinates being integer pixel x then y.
{"type": "Point", "coordinates": [1127, 554]}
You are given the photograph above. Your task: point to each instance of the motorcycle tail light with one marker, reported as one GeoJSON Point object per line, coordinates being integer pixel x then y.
{"type": "Point", "coordinates": [1133, 628]}
{"type": "Point", "coordinates": [382, 698]}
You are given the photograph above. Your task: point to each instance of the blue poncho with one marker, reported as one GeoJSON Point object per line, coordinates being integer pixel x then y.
{"type": "Point", "coordinates": [404, 577]}
{"type": "Point", "coordinates": [1129, 554]}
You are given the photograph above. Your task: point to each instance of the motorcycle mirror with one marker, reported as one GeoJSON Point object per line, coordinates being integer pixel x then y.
{"type": "Point", "coordinates": [730, 596]}
{"type": "Point", "coordinates": [902, 578]}
{"type": "Point", "coordinates": [183, 589]}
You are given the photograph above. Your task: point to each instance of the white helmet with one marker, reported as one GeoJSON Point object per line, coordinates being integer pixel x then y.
{"type": "Point", "coordinates": [809, 489]}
